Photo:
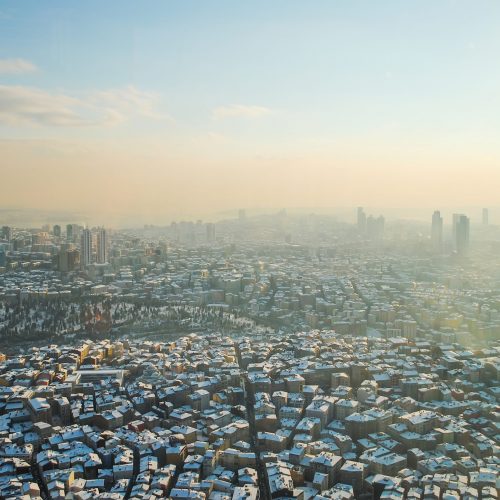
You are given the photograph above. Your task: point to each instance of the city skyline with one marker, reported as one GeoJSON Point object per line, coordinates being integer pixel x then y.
{"type": "Point", "coordinates": [32, 218]}
{"type": "Point", "coordinates": [256, 358]}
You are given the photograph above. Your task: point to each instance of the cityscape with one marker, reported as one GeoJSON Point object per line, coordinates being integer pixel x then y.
{"type": "Point", "coordinates": [256, 357]}
{"type": "Point", "coordinates": [249, 250]}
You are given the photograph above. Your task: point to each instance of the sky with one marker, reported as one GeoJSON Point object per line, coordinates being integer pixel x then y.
{"type": "Point", "coordinates": [159, 110]}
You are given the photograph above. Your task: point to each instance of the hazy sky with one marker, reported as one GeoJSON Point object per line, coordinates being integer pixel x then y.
{"type": "Point", "coordinates": [163, 108]}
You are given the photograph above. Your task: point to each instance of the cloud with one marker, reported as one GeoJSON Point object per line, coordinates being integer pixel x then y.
{"type": "Point", "coordinates": [16, 67]}
{"type": "Point", "coordinates": [129, 100]}
{"type": "Point", "coordinates": [20, 105]}
{"type": "Point", "coordinates": [30, 106]}
{"type": "Point", "coordinates": [240, 110]}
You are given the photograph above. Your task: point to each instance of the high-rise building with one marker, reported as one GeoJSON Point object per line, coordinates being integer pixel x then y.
{"type": "Point", "coordinates": [454, 223]}
{"type": "Point", "coordinates": [86, 248]}
{"type": "Point", "coordinates": [69, 258]}
{"type": "Point", "coordinates": [69, 232]}
{"type": "Point", "coordinates": [462, 234]}
{"type": "Point", "coordinates": [20, 243]}
{"type": "Point", "coordinates": [57, 230]}
{"type": "Point", "coordinates": [381, 225]}
{"type": "Point", "coordinates": [102, 246]}
{"type": "Point", "coordinates": [485, 216]}
{"type": "Point", "coordinates": [210, 232]}
{"type": "Point", "coordinates": [361, 220]}
{"type": "Point", "coordinates": [7, 233]}
{"type": "Point", "coordinates": [375, 227]}
{"type": "Point", "coordinates": [40, 238]}
{"type": "Point", "coordinates": [437, 232]}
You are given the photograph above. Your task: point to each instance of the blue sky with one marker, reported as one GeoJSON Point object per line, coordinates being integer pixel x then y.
{"type": "Point", "coordinates": [260, 79]}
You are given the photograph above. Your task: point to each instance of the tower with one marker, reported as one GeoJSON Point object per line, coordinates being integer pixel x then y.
{"type": "Point", "coordinates": [437, 232]}
{"type": "Point", "coordinates": [361, 220]}
{"type": "Point", "coordinates": [485, 217]}
{"type": "Point", "coordinates": [454, 224]}
{"type": "Point", "coordinates": [210, 232]}
{"type": "Point", "coordinates": [102, 246]}
{"type": "Point", "coordinates": [375, 227]}
{"type": "Point", "coordinates": [7, 233]}
{"type": "Point", "coordinates": [86, 248]}
{"type": "Point", "coordinates": [462, 234]}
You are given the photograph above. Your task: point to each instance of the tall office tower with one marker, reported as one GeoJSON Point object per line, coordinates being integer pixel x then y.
{"type": "Point", "coordinates": [102, 246]}
{"type": "Point", "coordinates": [361, 220]}
{"type": "Point", "coordinates": [3, 257]}
{"type": "Point", "coordinates": [485, 217]}
{"type": "Point", "coordinates": [7, 233]}
{"type": "Point", "coordinates": [370, 226]}
{"type": "Point", "coordinates": [210, 232]}
{"type": "Point", "coordinates": [85, 248]}
{"type": "Point", "coordinates": [437, 232]}
{"type": "Point", "coordinates": [380, 226]}
{"type": "Point", "coordinates": [174, 228]}
{"type": "Point", "coordinates": [375, 227]}
{"type": "Point", "coordinates": [69, 232]}
{"type": "Point", "coordinates": [57, 230]}
{"type": "Point", "coordinates": [462, 234]}
{"type": "Point", "coordinates": [454, 224]}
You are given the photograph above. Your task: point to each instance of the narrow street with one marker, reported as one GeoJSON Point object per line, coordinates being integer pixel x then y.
{"type": "Point", "coordinates": [250, 403]}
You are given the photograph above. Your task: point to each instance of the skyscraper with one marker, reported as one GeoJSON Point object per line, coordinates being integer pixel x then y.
{"type": "Point", "coordinates": [57, 230]}
{"type": "Point", "coordinates": [437, 232]}
{"type": "Point", "coordinates": [361, 220]}
{"type": "Point", "coordinates": [69, 257]}
{"type": "Point", "coordinates": [210, 232]}
{"type": "Point", "coordinates": [380, 226]}
{"type": "Point", "coordinates": [375, 227]}
{"type": "Point", "coordinates": [69, 232]}
{"type": "Point", "coordinates": [454, 223]}
{"type": "Point", "coordinates": [485, 217]}
{"type": "Point", "coordinates": [86, 248]}
{"type": "Point", "coordinates": [462, 234]}
{"type": "Point", "coordinates": [7, 233]}
{"type": "Point", "coordinates": [102, 249]}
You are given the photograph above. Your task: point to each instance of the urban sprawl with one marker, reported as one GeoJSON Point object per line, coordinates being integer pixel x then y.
{"type": "Point", "coordinates": [272, 356]}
